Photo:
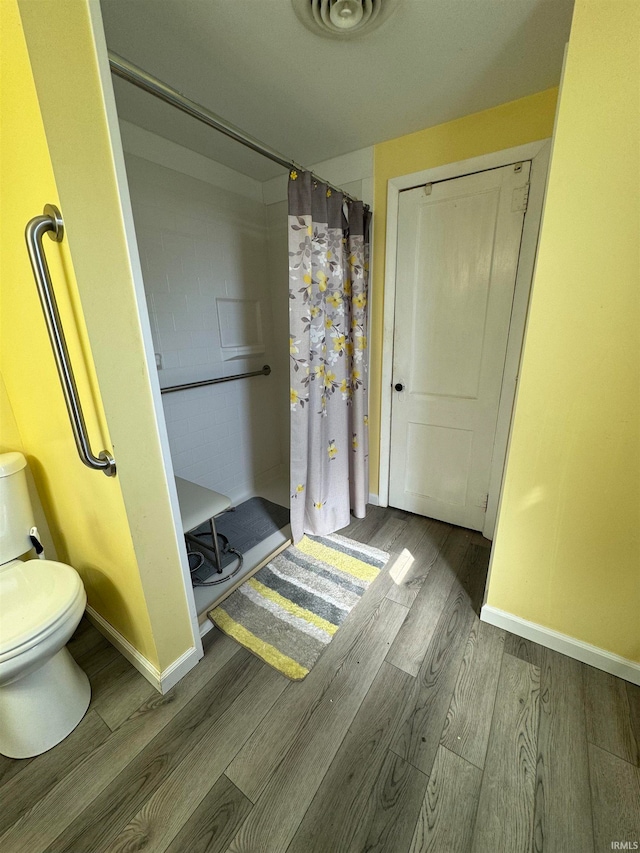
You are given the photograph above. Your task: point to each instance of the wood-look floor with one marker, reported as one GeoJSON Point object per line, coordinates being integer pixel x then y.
{"type": "Point", "coordinates": [420, 729]}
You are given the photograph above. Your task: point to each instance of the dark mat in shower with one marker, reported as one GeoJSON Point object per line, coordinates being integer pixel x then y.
{"type": "Point", "coordinates": [245, 527]}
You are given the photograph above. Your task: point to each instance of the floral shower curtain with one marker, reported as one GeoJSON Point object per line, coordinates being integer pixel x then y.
{"type": "Point", "coordinates": [328, 288]}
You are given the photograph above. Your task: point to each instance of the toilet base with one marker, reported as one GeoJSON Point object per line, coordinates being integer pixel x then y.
{"type": "Point", "coordinates": [42, 708]}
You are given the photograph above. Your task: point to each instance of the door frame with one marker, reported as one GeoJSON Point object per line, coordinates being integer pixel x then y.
{"type": "Point", "coordinates": [539, 154]}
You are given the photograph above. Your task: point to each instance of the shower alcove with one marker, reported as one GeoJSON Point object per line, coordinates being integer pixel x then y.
{"type": "Point", "coordinates": [214, 266]}
{"type": "Point", "coordinates": [210, 219]}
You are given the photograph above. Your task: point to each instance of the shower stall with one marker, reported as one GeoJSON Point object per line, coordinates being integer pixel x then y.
{"type": "Point", "coordinates": [212, 240]}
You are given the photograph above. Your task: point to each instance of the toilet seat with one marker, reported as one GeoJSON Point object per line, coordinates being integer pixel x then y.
{"type": "Point", "coordinates": [35, 598]}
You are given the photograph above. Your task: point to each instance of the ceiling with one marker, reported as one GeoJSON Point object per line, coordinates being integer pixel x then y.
{"type": "Point", "coordinates": [312, 98]}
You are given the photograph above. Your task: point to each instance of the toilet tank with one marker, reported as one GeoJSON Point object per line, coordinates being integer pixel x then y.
{"type": "Point", "coordinates": [16, 515]}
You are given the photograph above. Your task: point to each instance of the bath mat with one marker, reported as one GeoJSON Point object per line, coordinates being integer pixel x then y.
{"type": "Point", "coordinates": [247, 525]}
{"type": "Point", "coordinates": [290, 610]}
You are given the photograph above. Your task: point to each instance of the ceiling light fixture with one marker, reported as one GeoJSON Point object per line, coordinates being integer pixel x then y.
{"type": "Point", "coordinates": [343, 18]}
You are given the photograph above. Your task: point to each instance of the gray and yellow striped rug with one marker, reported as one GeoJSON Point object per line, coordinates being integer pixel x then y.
{"type": "Point", "coordinates": [290, 610]}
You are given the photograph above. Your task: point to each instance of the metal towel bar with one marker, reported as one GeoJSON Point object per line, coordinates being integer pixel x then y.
{"type": "Point", "coordinates": [266, 370]}
{"type": "Point", "coordinates": [51, 223]}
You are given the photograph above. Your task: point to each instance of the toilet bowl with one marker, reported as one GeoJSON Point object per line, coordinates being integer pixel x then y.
{"type": "Point", "coordinates": [43, 692]}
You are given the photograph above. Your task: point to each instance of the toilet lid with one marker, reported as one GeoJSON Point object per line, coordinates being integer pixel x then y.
{"type": "Point", "coordinates": [34, 595]}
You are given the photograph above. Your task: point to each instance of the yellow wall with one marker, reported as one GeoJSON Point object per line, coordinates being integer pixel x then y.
{"type": "Point", "coordinates": [118, 533]}
{"type": "Point", "coordinates": [516, 123]}
{"type": "Point", "coordinates": [10, 439]}
{"type": "Point", "coordinates": [68, 35]}
{"type": "Point", "coordinates": [567, 548]}
{"type": "Point", "coordinates": [84, 508]}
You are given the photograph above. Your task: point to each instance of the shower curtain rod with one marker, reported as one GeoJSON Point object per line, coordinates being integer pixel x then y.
{"type": "Point", "coordinates": [143, 80]}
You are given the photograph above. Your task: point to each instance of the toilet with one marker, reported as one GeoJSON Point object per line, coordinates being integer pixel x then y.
{"type": "Point", "coordinates": [43, 692]}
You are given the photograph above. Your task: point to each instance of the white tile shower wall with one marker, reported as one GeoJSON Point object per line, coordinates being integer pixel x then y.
{"type": "Point", "coordinates": [199, 242]}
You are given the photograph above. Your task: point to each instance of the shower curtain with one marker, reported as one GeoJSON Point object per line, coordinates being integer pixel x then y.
{"type": "Point", "coordinates": [328, 288]}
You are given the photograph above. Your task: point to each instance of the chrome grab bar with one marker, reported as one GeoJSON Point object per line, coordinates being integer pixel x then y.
{"type": "Point", "coordinates": [51, 222]}
{"type": "Point", "coordinates": [266, 370]}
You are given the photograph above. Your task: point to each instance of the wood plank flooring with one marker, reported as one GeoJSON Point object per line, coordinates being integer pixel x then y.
{"type": "Point", "coordinates": [419, 729]}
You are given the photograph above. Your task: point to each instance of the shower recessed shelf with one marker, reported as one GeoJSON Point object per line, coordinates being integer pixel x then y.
{"type": "Point", "coordinates": [240, 325]}
{"type": "Point", "coordinates": [239, 353]}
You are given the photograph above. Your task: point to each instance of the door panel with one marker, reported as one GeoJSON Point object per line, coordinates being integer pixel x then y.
{"type": "Point", "coordinates": [440, 462]}
{"type": "Point", "coordinates": [446, 344]}
{"type": "Point", "coordinates": [458, 246]}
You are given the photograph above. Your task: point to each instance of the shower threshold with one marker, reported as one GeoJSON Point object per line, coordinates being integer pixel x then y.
{"type": "Point", "coordinates": [254, 559]}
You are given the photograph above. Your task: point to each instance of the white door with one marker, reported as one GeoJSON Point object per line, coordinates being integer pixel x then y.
{"type": "Point", "coordinates": [458, 247]}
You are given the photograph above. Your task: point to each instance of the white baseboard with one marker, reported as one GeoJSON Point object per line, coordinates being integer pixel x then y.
{"type": "Point", "coordinates": [178, 669]}
{"type": "Point", "coordinates": [570, 646]}
{"type": "Point", "coordinates": [374, 499]}
{"type": "Point", "coordinates": [162, 681]}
